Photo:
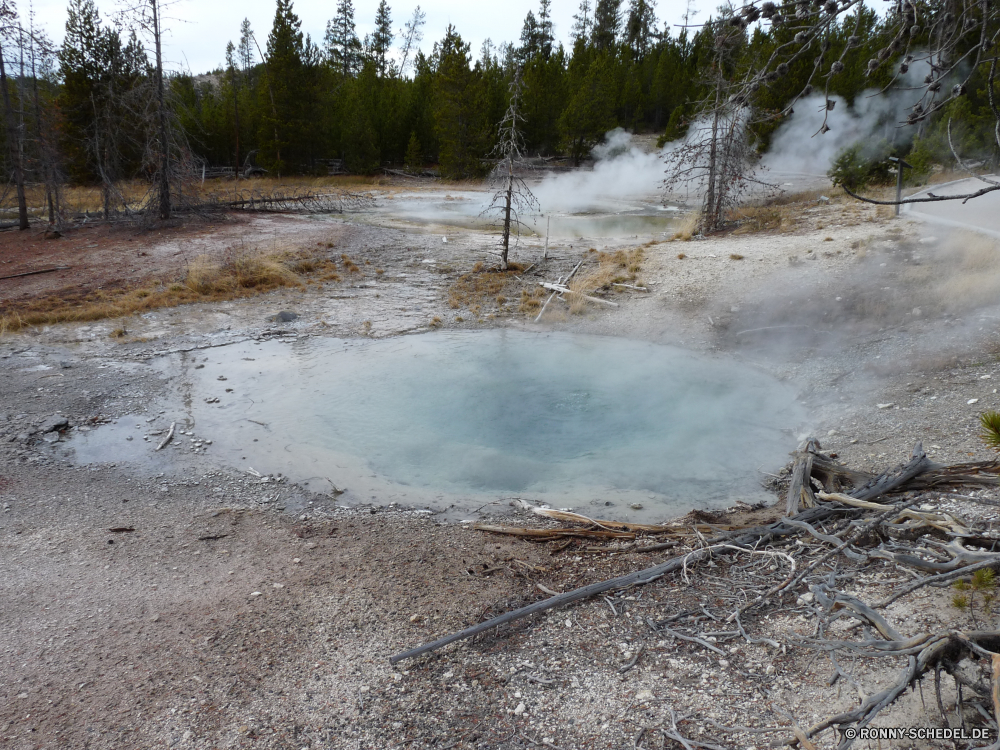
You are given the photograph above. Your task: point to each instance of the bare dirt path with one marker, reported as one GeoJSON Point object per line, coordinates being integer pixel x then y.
{"type": "Point", "coordinates": [244, 613]}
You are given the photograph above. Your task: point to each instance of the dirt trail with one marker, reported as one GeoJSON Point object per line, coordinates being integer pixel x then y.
{"type": "Point", "coordinates": [243, 613]}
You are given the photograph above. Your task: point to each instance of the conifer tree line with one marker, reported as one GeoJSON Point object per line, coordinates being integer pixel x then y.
{"type": "Point", "coordinates": [100, 109]}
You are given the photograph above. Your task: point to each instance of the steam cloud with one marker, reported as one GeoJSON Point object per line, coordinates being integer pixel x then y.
{"type": "Point", "coordinates": [623, 172]}
{"type": "Point", "coordinates": [799, 148]}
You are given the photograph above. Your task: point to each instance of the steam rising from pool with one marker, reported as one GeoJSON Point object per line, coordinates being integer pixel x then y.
{"type": "Point", "coordinates": [460, 419]}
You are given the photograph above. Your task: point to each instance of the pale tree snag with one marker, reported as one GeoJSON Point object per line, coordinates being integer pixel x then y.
{"type": "Point", "coordinates": [718, 159]}
{"type": "Point", "coordinates": [163, 182]}
{"type": "Point", "coordinates": [512, 196]}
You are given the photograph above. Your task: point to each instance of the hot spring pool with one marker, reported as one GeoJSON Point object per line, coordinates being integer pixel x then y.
{"type": "Point", "coordinates": [459, 420]}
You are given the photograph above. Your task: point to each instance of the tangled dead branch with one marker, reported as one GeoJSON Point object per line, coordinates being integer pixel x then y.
{"type": "Point", "coordinates": [850, 519]}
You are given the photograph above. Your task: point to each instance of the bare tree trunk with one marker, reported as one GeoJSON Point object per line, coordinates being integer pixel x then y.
{"type": "Point", "coordinates": [13, 145]}
{"type": "Point", "coordinates": [710, 220]}
{"type": "Point", "coordinates": [236, 109]}
{"type": "Point", "coordinates": [43, 141]}
{"type": "Point", "coordinates": [164, 181]}
{"type": "Point", "coordinates": [506, 218]}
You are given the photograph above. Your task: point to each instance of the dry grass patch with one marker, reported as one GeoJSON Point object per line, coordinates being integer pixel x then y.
{"type": "Point", "coordinates": [686, 227]}
{"type": "Point", "coordinates": [753, 219]}
{"type": "Point", "coordinates": [531, 300]}
{"type": "Point", "coordinates": [619, 267]}
{"type": "Point", "coordinates": [483, 287]}
{"type": "Point", "coordinates": [238, 274]}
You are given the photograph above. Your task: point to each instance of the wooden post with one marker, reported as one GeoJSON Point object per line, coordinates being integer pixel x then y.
{"type": "Point", "coordinates": [899, 179]}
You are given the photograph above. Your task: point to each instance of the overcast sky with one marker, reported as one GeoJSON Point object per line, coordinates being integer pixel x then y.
{"type": "Point", "coordinates": [199, 30]}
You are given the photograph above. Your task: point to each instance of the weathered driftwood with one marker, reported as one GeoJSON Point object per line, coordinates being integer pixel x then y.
{"type": "Point", "coordinates": [545, 535]}
{"type": "Point", "coordinates": [561, 289]}
{"type": "Point", "coordinates": [799, 490]}
{"type": "Point", "coordinates": [168, 438]}
{"type": "Point", "coordinates": [561, 280]}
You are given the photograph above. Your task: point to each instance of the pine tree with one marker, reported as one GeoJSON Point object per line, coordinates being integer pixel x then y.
{"type": "Point", "coordinates": [530, 38]}
{"type": "Point", "coordinates": [343, 48]}
{"type": "Point", "coordinates": [455, 116]}
{"type": "Point", "coordinates": [285, 78]}
{"type": "Point", "coordinates": [582, 24]}
{"type": "Point", "coordinates": [607, 24]}
{"type": "Point", "coordinates": [244, 50]}
{"type": "Point", "coordinates": [546, 30]}
{"type": "Point", "coordinates": [81, 61]}
{"type": "Point", "coordinates": [640, 27]}
{"type": "Point", "coordinates": [414, 159]}
{"type": "Point", "coordinates": [382, 38]}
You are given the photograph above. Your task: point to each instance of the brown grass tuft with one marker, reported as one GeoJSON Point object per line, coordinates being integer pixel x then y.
{"type": "Point", "coordinates": [686, 227]}
{"type": "Point", "coordinates": [620, 267]}
{"type": "Point", "coordinates": [483, 287]}
{"type": "Point", "coordinates": [238, 274]}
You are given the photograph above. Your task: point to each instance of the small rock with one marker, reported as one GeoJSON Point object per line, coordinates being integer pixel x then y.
{"type": "Point", "coordinates": [521, 708]}
{"type": "Point", "coordinates": [916, 312]}
{"type": "Point", "coordinates": [806, 598]}
{"type": "Point", "coordinates": [256, 594]}
{"type": "Point", "coordinates": [25, 695]}
{"type": "Point", "coordinates": [823, 199]}
{"type": "Point", "coordinates": [416, 618]}
{"type": "Point", "coordinates": [886, 406]}
{"type": "Point", "coordinates": [770, 669]}
{"type": "Point", "coordinates": [278, 585]}
{"type": "Point", "coordinates": [53, 437]}
{"type": "Point", "coordinates": [187, 735]}
{"type": "Point", "coordinates": [645, 695]}
{"type": "Point", "coordinates": [972, 401]}
{"type": "Point", "coordinates": [284, 316]}
{"type": "Point", "coordinates": [569, 623]}
{"type": "Point", "coordinates": [52, 234]}
{"type": "Point", "coordinates": [55, 422]}
{"type": "Point", "coordinates": [927, 240]}
{"type": "Point", "coordinates": [296, 560]}
{"type": "Point", "coordinates": [636, 506]}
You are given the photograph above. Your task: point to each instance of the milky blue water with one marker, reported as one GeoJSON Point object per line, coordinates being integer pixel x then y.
{"type": "Point", "coordinates": [459, 419]}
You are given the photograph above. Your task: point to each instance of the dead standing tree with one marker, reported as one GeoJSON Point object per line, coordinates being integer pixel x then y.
{"type": "Point", "coordinates": [512, 197]}
{"type": "Point", "coordinates": [717, 158]}
{"type": "Point", "coordinates": [147, 15]}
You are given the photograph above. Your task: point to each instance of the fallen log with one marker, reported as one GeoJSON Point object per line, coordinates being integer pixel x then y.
{"type": "Point", "coordinates": [748, 539]}
{"type": "Point", "coordinates": [631, 579]}
{"type": "Point", "coordinates": [545, 535]}
{"type": "Point", "coordinates": [560, 289]}
{"type": "Point", "coordinates": [35, 273]}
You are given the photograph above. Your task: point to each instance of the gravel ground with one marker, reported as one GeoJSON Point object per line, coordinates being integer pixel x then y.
{"type": "Point", "coordinates": [177, 602]}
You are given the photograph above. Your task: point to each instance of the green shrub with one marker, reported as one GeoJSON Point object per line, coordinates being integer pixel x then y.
{"type": "Point", "coordinates": [861, 165]}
